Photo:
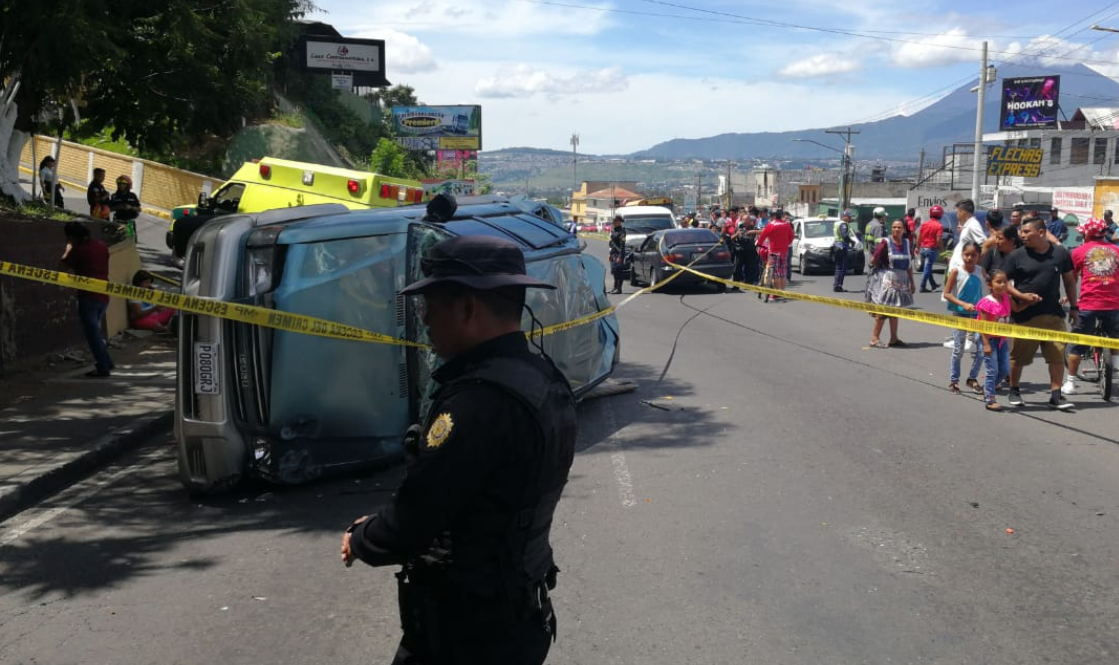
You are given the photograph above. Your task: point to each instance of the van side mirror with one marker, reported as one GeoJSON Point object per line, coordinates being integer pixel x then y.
{"type": "Point", "coordinates": [203, 200]}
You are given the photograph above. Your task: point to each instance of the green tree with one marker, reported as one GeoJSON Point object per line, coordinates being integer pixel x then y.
{"type": "Point", "coordinates": [388, 159]}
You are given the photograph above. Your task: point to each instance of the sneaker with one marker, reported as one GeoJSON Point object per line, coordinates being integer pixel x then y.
{"type": "Point", "coordinates": [969, 345]}
{"type": "Point", "coordinates": [1069, 386]}
{"type": "Point", "coordinates": [1060, 403]}
{"type": "Point", "coordinates": [948, 344]}
{"type": "Point", "coordinates": [1015, 397]}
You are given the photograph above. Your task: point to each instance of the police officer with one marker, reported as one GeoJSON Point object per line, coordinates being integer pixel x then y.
{"type": "Point", "coordinates": [470, 523]}
{"type": "Point", "coordinates": [618, 253]}
{"type": "Point", "coordinates": [844, 241]}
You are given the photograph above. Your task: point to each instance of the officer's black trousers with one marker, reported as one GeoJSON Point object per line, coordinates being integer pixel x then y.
{"type": "Point", "coordinates": [469, 639]}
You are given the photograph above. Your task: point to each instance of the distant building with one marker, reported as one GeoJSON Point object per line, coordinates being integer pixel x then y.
{"type": "Point", "coordinates": [587, 197]}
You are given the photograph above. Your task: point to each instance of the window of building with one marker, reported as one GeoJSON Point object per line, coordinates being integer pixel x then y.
{"type": "Point", "coordinates": [1055, 147]}
{"type": "Point", "coordinates": [1079, 152]}
{"type": "Point", "coordinates": [1099, 155]}
{"type": "Point", "coordinates": [1035, 143]}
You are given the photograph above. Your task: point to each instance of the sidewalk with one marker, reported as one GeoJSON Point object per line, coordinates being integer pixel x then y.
{"type": "Point", "coordinates": [57, 426]}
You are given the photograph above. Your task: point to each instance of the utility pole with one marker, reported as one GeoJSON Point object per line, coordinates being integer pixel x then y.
{"type": "Point", "coordinates": [920, 166]}
{"type": "Point", "coordinates": [698, 190]}
{"type": "Point", "coordinates": [730, 188]}
{"type": "Point", "coordinates": [574, 163]}
{"type": "Point", "coordinates": [979, 127]}
{"type": "Point", "coordinates": [847, 172]}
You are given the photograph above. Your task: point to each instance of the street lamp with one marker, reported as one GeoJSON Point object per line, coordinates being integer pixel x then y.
{"type": "Point", "coordinates": [1104, 29]}
{"type": "Point", "coordinates": [844, 188]}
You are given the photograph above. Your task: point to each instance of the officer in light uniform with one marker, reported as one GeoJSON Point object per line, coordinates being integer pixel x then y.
{"type": "Point", "coordinates": [471, 521]}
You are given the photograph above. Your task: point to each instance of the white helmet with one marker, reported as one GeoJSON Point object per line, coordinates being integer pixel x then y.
{"type": "Point", "coordinates": [879, 212]}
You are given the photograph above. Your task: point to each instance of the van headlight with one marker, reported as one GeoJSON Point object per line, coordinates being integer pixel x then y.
{"type": "Point", "coordinates": [264, 261]}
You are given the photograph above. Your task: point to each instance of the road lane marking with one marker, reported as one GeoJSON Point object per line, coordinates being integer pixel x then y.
{"type": "Point", "coordinates": [98, 485]}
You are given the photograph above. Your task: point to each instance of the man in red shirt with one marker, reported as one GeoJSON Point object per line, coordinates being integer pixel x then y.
{"type": "Point", "coordinates": [779, 234]}
{"type": "Point", "coordinates": [89, 257]}
{"type": "Point", "coordinates": [1095, 264]}
{"type": "Point", "coordinates": [928, 240]}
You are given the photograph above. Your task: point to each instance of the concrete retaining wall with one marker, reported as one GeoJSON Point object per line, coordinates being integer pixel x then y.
{"type": "Point", "coordinates": [36, 319]}
{"type": "Point", "coordinates": [159, 187]}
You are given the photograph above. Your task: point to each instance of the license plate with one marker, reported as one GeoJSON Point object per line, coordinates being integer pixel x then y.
{"type": "Point", "coordinates": [207, 360]}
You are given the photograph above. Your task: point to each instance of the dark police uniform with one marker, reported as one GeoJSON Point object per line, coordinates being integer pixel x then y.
{"type": "Point", "coordinates": [119, 202]}
{"type": "Point", "coordinates": [618, 257]}
{"type": "Point", "coordinates": [470, 524]}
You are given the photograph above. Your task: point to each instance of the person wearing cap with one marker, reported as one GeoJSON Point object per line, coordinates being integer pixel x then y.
{"type": "Point", "coordinates": [125, 204]}
{"type": "Point", "coordinates": [875, 231]}
{"type": "Point", "coordinates": [470, 523]}
{"type": "Point", "coordinates": [1056, 225]}
{"type": "Point", "coordinates": [1095, 265]}
{"type": "Point", "coordinates": [618, 253]}
{"type": "Point", "coordinates": [929, 241]}
{"type": "Point", "coordinates": [844, 241]}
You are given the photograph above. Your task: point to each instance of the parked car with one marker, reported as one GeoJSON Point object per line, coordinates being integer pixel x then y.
{"type": "Point", "coordinates": [288, 407]}
{"type": "Point", "coordinates": [812, 243]}
{"type": "Point", "coordinates": [681, 246]}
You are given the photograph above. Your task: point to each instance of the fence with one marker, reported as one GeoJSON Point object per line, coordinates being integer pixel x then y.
{"type": "Point", "coordinates": [160, 187]}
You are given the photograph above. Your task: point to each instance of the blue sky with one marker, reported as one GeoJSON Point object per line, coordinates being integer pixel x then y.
{"type": "Point", "coordinates": [628, 74]}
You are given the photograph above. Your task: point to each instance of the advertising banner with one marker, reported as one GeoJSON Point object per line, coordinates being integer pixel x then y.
{"type": "Point", "coordinates": [342, 81]}
{"type": "Point", "coordinates": [1106, 196]}
{"type": "Point", "coordinates": [1009, 161]}
{"type": "Point", "coordinates": [455, 156]}
{"type": "Point", "coordinates": [1029, 103]}
{"type": "Point", "coordinates": [363, 59]}
{"type": "Point", "coordinates": [1074, 201]}
{"type": "Point", "coordinates": [923, 199]}
{"type": "Point", "coordinates": [440, 127]}
{"type": "Point", "coordinates": [456, 187]}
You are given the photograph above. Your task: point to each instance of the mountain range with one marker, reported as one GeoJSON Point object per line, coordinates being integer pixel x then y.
{"type": "Point", "coordinates": [949, 120]}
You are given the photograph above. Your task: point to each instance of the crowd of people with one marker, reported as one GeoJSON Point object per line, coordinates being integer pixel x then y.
{"type": "Point", "coordinates": [1009, 268]}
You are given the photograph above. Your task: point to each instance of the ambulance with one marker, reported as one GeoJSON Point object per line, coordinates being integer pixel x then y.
{"type": "Point", "coordinates": [270, 184]}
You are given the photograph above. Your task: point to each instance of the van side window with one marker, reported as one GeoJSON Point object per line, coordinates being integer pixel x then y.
{"type": "Point", "coordinates": [229, 197]}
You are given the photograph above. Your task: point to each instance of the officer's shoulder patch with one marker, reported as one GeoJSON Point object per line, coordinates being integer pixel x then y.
{"type": "Point", "coordinates": [440, 430]}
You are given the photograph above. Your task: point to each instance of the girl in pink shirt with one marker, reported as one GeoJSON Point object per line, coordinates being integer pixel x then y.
{"type": "Point", "coordinates": [995, 306]}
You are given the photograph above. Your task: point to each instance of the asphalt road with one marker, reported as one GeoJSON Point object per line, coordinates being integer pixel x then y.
{"type": "Point", "coordinates": [793, 497]}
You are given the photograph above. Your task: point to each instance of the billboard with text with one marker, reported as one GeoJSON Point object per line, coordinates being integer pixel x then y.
{"type": "Point", "coordinates": [438, 127]}
{"type": "Point", "coordinates": [1030, 103]}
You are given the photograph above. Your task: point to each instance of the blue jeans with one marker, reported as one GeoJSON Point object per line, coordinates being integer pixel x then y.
{"type": "Point", "coordinates": [997, 364]}
{"type": "Point", "coordinates": [928, 254]}
{"type": "Point", "coordinates": [959, 339]}
{"type": "Point", "coordinates": [92, 313]}
{"type": "Point", "coordinates": [1087, 326]}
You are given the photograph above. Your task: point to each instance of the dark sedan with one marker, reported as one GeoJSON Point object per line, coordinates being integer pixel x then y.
{"type": "Point", "coordinates": [681, 246]}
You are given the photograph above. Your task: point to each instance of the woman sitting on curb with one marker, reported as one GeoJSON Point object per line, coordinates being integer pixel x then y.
{"type": "Point", "coordinates": [146, 316]}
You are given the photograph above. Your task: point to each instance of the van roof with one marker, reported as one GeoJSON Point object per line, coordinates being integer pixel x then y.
{"type": "Point", "coordinates": [625, 211]}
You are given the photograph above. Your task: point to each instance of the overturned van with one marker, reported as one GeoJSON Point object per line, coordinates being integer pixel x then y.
{"type": "Point", "coordinates": [288, 407]}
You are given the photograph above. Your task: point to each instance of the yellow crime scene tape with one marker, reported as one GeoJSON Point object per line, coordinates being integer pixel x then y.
{"type": "Point", "coordinates": [942, 320]}
{"type": "Point", "coordinates": [252, 314]}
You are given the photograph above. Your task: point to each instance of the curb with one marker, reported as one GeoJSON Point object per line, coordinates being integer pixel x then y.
{"type": "Point", "coordinates": [101, 451]}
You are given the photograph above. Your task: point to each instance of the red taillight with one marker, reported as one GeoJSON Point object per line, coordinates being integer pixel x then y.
{"type": "Point", "coordinates": [354, 186]}
{"type": "Point", "coordinates": [395, 191]}
{"type": "Point", "coordinates": [722, 256]}
{"type": "Point", "coordinates": [384, 191]}
{"type": "Point", "coordinates": [676, 258]}
{"type": "Point", "coordinates": [265, 171]}
{"type": "Point", "coordinates": [417, 195]}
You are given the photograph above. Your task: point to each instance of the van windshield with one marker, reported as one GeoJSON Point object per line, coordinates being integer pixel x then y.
{"type": "Point", "coordinates": [648, 223]}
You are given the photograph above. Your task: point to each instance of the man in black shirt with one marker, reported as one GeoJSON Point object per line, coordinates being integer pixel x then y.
{"type": "Point", "coordinates": [97, 196]}
{"type": "Point", "coordinates": [1036, 271]}
{"type": "Point", "coordinates": [470, 523]}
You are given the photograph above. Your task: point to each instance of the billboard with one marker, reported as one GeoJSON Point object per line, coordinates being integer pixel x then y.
{"type": "Point", "coordinates": [364, 59]}
{"type": "Point", "coordinates": [1030, 103]}
{"type": "Point", "coordinates": [1076, 201]}
{"type": "Point", "coordinates": [463, 187]}
{"type": "Point", "coordinates": [438, 127]}
{"type": "Point", "coordinates": [1005, 160]}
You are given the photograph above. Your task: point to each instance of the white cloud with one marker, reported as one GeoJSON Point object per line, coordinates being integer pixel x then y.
{"type": "Point", "coordinates": [824, 64]}
{"type": "Point", "coordinates": [623, 118]}
{"type": "Point", "coordinates": [944, 49]}
{"type": "Point", "coordinates": [526, 81]}
{"type": "Point", "coordinates": [403, 52]}
{"type": "Point", "coordinates": [480, 19]}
